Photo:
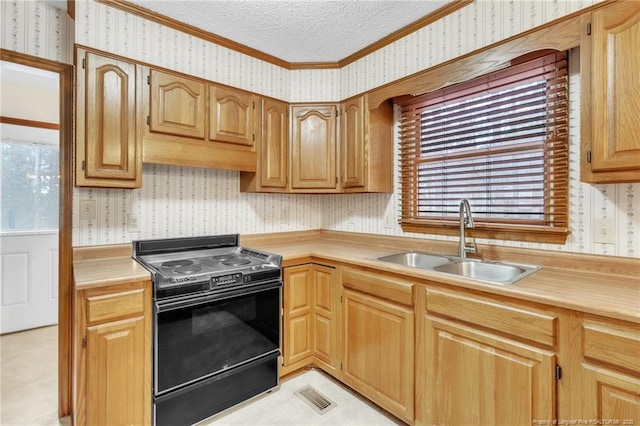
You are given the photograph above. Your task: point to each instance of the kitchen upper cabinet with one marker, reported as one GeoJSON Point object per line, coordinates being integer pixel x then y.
{"type": "Point", "coordinates": [378, 340]}
{"type": "Point", "coordinates": [352, 139]}
{"type": "Point", "coordinates": [272, 149]}
{"type": "Point", "coordinates": [108, 146]}
{"type": "Point", "coordinates": [366, 142]}
{"type": "Point", "coordinates": [333, 149]}
{"type": "Point", "coordinates": [113, 355]}
{"type": "Point", "coordinates": [610, 66]}
{"type": "Point", "coordinates": [184, 117]}
{"type": "Point", "coordinates": [177, 105]}
{"type": "Point", "coordinates": [611, 368]}
{"type": "Point", "coordinates": [313, 147]}
{"type": "Point", "coordinates": [232, 115]}
{"type": "Point", "coordinates": [484, 360]}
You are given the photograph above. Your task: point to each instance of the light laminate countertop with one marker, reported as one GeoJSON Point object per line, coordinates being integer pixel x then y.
{"type": "Point", "coordinates": [598, 293]}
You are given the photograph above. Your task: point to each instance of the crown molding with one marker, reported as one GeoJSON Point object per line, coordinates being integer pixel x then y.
{"type": "Point", "coordinates": [194, 31]}
{"type": "Point", "coordinates": [134, 9]}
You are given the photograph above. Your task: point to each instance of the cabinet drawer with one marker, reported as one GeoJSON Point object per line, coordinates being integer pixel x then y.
{"type": "Point", "coordinates": [613, 344]}
{"type": "Point", "coordinates": [110, 306]}
{"type": "Point", "coordinates": [394, 289]}
{"type": "Point", "coordinates": [520, 322]}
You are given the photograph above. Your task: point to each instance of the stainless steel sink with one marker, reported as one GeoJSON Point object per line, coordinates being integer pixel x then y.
{"type": "Point", "coordinates": [495, 272]}
{"type": "Point", "coordinates": [416, 259]}
{"type": "Point", "coordinates": [484, 270]}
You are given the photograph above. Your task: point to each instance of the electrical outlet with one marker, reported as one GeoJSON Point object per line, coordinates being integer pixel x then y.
{"type": "Point", "coordinates": [604, 231]}
{"type": "Point", "coordinates": [88, 209]}
{"type": "Point", "coordinates": [132, 223]}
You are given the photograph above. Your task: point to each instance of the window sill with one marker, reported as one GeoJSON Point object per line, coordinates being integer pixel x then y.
{"type": "Point", "coordinates": [527, 233]}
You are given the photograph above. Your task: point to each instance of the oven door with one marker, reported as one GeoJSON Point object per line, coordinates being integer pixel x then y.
{"type": "Point", "coordinates": [197, 337]}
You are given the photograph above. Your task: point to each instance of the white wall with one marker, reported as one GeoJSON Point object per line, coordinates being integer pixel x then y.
{"type": "Point", "coordinates": [179, 201]}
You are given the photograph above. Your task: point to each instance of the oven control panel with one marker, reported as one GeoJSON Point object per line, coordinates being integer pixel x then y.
{"type": "Point", "coordinates": [235, 278]}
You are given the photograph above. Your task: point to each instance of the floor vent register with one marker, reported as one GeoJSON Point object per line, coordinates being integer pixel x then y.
{"type": "Point", "coordinates": [315, 399]}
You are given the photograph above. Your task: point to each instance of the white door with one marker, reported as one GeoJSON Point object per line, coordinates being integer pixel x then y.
{"type": "Point", "coordinates": [29, 170]}
{"type": "Point", "coordinates": [29, 281]}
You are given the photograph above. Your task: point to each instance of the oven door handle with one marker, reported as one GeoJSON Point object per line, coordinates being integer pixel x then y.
{"type": "Point", "coordinates": [172, 305]}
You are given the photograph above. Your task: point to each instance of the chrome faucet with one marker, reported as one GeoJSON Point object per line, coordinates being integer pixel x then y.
{"type": "Point", "coordinates": [466, 221]}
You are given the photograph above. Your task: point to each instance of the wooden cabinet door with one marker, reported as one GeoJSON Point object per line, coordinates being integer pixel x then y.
{"type": "Point", "coordinates": [177, 105]}
{"type": "Point", "coordinates": [108, 151]}
{"type": "Point", "coordinates": [298, 306]}
{"type": "Point", "coordinates": [473, 377]}
{"type": "Point", "coordinates": [613, 87]}
{"type": "Point", "coordinates": [231, 116]}
{"type": "Point", "coordinates": [611, 395]}
{"type": "Point", "coordinates": [274, 158]}
{"type": "Point", "coordinates": [313, 133]}
{"type": "Point", "coordinates": [378, 351]}
{"type": "Point", "coordinates": [115, 373]}
{"type": "Point", "coordinates": [325, 342]}
{"type": "Point", "coordinates": [352, 139]}
{"type": "Point", "coordinates": [611, 370]}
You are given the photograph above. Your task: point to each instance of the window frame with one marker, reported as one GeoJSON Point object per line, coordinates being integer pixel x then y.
{"type": "Point", "coordinates": [519, 230]}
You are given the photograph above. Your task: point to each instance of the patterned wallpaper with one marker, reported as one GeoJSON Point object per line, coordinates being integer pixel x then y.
{"type": "Point", "coordinates": [377, 213]}
{"type": "Point", "coordinates": [37, 29]}
{"type": "Point", "coordinates": [181, 201]}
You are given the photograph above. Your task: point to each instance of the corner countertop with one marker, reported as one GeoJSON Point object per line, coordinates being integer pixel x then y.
{"type": "Point", "coordinates": [595, 292]}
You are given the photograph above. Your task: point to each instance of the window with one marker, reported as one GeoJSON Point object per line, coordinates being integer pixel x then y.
{"type": "Point", "coordinates": [30, 186]}
{"type": "Point", "coordinates": [499, 141]}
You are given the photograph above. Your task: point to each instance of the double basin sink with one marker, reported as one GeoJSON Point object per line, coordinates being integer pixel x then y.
{"type": "Point", "coordinates": [483, 270]}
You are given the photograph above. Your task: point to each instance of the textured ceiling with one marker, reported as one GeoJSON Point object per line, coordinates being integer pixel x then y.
{"type": "Point", "coordinates": [298, 30]}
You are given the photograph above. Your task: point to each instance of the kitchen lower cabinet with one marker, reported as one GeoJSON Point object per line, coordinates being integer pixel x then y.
{"type": "Point", "coordinates": [113, 355]}
{"type": "Point", "coordinates": [478, 378]}
{"type": "Point", "coordinates": [325, 319]}
{"type": "Point", "coordinates": [298, 307]}
{"type": "Point", "coordinates": [378, 340]}
{"type": "Point", "coordinates": [310, 312]}
{"type": "Point", "coordinates": [611, 371]}
{"type": "Point", "coordinates": [485, 361]}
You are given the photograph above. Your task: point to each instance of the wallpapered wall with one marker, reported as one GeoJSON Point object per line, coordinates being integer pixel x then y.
{"type": "Point", "coordinates": [37, 29]}
{"type": "Point", "coordinates": [179, 201]}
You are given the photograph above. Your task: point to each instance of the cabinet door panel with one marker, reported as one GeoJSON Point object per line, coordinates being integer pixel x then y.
{"type": "Point", "coordinates": [616, 93]}
{"type": "Point", "coordinates": [110, 138]}
{"type": "Point", "coordinates": [378, 345]}
{"type": "Point", "coordinates": [298, 305]}
{"type": "Point", "coordinates": [314, 147]}
{"type": "Point", "coordinates": [177, 105]}
{"type": "Point", "coordinates": [231, 116]}
{"type": "Point", "coordinates": [353, 144]}
{"type": "Point", "coordinates": [610, 395]}
{"type": "Point", "coordinates": [274, 144]}
{"type": "Point", "coordinates": [325, 342]}
{"type": "Point", "coordinates": [115, 355]}
{"type": "Point", "coordinates": [497, 381]}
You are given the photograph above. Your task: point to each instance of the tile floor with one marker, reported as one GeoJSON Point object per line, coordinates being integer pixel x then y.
{"type": "Point", "coordinates": [29, 392]}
